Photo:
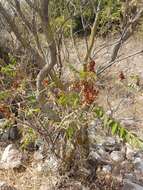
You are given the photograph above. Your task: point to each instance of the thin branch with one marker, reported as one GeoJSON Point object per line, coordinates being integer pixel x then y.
{"type": "Point", "coordinates": [93, 32]}
{"type": "Point", "coordinates": [13, 26]}
{"type": "Point", "coordinates": [53, 52]}
{"type": "Point", "coordinates": [32, 6]}
{"type": "Point", "coordinates": [24, 19]}
{"type": "Point", "coordinates": [119, 60]}
{"type": "Point", "coordinates": [30, 26]}
{"type": "Point", "coordinates": [17, 32]}
{"type": "Point", "coordinates": [127, 32]}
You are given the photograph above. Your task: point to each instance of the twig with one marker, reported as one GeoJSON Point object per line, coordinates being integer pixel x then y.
{"type": "Point", "coordinates": [93, 32]}
{"type": "Point", "coordinates": [117, 60]}
{"type": "Point", "coordinates": [127, 32]}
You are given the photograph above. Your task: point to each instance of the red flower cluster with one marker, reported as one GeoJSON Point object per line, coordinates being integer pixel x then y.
{"type": "Point", "coordinates": [122, 76]}
{"type": "Point", "coordinates": [89, 92]}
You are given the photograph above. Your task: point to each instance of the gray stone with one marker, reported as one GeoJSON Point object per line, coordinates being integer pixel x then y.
{"type": "Point", "coordinates": [110, 144]}
{"type": "Point", "coordinates": [1, 114]}
{"type": "Point", "coordinates": [3, 122]}
{"type": "Point", "coordinates": [107, 168]}
{"type": "Point", "coordinates": [11, 158]}
{"type": "Point", "coordinates": [92, 132]}
{"type": "Point", "coordinates": [129, 185]}
{"type": "Point", "coordinates": [5, 136]}
{"type": "Point", "coordinates": [101, 151]}
{"type": "Point", "coordinates": [94, 124]}
{"type": "Point", "coordinates": [52, 162]}
{"type": "Point", "coordinates": [47, 166]}
{"type": "Point", "coordinates": [128, 122]}
{"type": "Point", "coordinates": [138, 163]}
{"type": "Point", "coordinates": [14, 133]}
{"type": "Point", "coordinates": [2, 183]}
{"type": "Point", "coordinates": [94, 156]}
{"type": "Point", "coordinates": [117, 156]}
{"type": "Point", "coordinates": [129, 152]}
{"type": "Point", "coordinates": [129, 176]}
{"type": "Point", "coordinates": [110, 141]}
{"type": "Point", "coordinates": [38, 155]}
{"type": "Point", "coordinates": [139, 154]}
{"type": "Point", "coordinates": [138, 175]}
{"type": "Point", "coordinates": [39, 144]}
{"type": "Point", "coordinates": [5, 186]}
{"type": "Point", "coordinates": [11, 133]}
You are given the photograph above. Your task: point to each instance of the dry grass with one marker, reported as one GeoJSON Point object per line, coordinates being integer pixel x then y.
{"type": "Point", "coordinates": [28, 179]}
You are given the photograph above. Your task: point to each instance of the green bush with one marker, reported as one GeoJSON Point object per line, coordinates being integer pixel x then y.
{"type": "Point", "coordinates": [109, 18]}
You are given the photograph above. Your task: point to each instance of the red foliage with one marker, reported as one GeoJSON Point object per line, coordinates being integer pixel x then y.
{"type": "Point", "coordinates": [45, 82]}
{"type": "Point", "coordinates": [5, 111]}
{"type": "Point", "coordinates": [122, 76]}
{"type": "Point", "coordinates": [16, 84]}
{"type": "Point", "coordinates": [87, 86]}
{"type": "Point", "coordinates": [90, 67]}
{"type": "Point", "coordinates": [138, 82]}
{"type": "Point", "coordinates": [76, 86]}
{"type": "Point", "coordinates": [89, 92]}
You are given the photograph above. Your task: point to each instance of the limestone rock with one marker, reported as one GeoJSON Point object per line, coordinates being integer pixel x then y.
{"type": "Point", "coordinates": [107, 168]}
{"type": "Point", "coordinates": [129, 152]}
{"type": "Point", "coordinates": [5, 186]}
{"type": "Point", "coordinates": [117, 156]}
{"type": "Point", "coordinates": [11, 133]}
{"type": "Point", "coordinates": [38, 155]}
{"type": "Point", "coordinates": [138, 162]}
{"type": "Point", "coordinates": [111, 144]}
{"type": "Point", "coordinates": [129, 185]}
{"type": "Point", "coordinates": [11, 158]}
{"type": "Point", "coordinates": [47, 166]}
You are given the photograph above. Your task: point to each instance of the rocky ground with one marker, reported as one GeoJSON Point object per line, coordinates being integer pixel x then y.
{"type": "Point", "coordinates": [111, 164]}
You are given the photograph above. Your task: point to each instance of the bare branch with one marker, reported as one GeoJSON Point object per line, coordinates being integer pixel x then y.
{"type": "Point", "coordinates": [18, 8]}
{"type": "Point", "coordinates": [43, 73]}
{"type": "Point", "coordinates": [93, 32]}
{"type": "Point", "coordinates": [33, 6]}
{"type": "Point", "coordinates": [17, 32]}
{"type": "Point", "coordinates": [44, 11]}
{"type": "Point", "coordinates": [127, 32]}
{"type": "Point", "coordinates": [53, 52]}
{"type": "Point", "coordinates": [119, 60]}
{"type": "Point", "coordinates": [31, 26]}
{"type": "Point", "coordinates": [13, 26]}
